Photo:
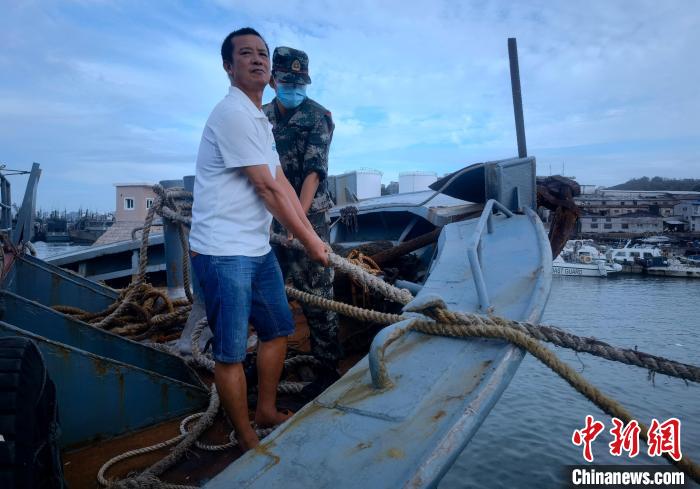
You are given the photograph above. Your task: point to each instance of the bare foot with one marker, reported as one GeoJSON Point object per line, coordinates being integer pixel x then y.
{"type": "Point", "coordinates": [247, 440]}
{"type": "Point", "coordinates": [266, 420]}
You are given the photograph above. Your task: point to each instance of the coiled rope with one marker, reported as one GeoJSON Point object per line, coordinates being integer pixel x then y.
{"type": "Point", "coordinates": [141, 310]}
{"type": "Point", "coordinates": [186, 439]}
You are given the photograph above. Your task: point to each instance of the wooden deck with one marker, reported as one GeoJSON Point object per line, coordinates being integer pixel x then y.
{"type": "Point", "coordinates": [198, 466]}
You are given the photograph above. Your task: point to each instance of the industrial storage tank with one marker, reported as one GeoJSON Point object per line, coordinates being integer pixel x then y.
{"type": "Point", "coordinates": [356, 185]}
{"type": "Point", "coordinates": [415, 181]}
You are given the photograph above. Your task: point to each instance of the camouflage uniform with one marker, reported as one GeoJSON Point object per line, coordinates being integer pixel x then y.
{"type": "Point", "coordinates": [303, 137]}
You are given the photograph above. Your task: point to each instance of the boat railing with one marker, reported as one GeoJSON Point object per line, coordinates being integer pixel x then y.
{"type": "Point", "coordinates": [380, 379]}
{"type": "Point", "coordinates": [474, 250]}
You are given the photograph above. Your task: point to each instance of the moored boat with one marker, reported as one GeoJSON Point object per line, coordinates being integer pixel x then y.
{"type": "Point", "coordinates": [583, 259]}
{"type": "Point", "coordinates": [409, 403]}
{"type": "Point", "coordinates": [632, 253]}
{"type": "Point", "coordinates": [675, 268]}
{"type": "Point", "coordinates": [87, 229]}
{"type": "Point", "coordinates": [135, 386]}
{"type": "Point", "coordinates": [407, 433]}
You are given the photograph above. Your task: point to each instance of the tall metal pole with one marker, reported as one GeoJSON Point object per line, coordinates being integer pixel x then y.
{"type": "Point", "coordinates": [5, 204]}
{"type": "Point", "coordinates": [173, 250]}
{"type": "Point", "coordinates": [24, 228]}
{"type": "Point", "coordinates": [198, 311]}
{"type": "Point", "coordinates": [517, 96]}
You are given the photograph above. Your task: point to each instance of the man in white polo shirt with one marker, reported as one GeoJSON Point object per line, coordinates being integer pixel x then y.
{"type": "Point", "coordinates": [239, 186]}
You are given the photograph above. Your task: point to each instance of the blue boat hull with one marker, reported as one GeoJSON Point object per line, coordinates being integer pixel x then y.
{"type": "Point", "coordinates": [106, 385]}
{"type": "Point", "coordinates": [408, 435]}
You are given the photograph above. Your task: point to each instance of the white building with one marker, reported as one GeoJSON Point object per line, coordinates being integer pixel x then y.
{"type": "Point", "coordinates": [690, 213]}
{"type": "Point", "coordinates": [355, 185]}
{"type": "Point", "coordinates": [416, 181]}
{"type": "Point", "coordinates": [588, 189]}
{"type": "Point", "coordinates": [632, 223]}
{"type": "Point", "coordinates": [620, 202]}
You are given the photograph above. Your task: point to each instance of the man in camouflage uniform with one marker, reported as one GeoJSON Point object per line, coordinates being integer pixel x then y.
{"type": "Point", "coordinates": [303, 130]}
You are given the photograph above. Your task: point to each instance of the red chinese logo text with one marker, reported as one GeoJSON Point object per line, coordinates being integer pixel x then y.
{"type": "Point", "coordinates": [586, 435]}
{"type": "Point", "coordinates": [624, 438]}
{"type": "Point", "coordinates": [665, 438]}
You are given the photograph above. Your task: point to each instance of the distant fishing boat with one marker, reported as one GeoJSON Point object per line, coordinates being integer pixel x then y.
{"type": "Point", "coordinates": [633, 253]}
{"type": "Point", "coordinates": [675, 267]}
{"type": "Point", "coordinates": [88, 229]}
{"type": "Point", "coordinates": [56, 229]}
{"type": "Point", "coordinates": [582, 259]}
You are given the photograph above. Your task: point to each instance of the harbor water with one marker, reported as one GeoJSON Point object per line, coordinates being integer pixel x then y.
{"type": "Point", "coordinates": [47, 250]}
{"type": "Point", "coordinates": [526, 440]}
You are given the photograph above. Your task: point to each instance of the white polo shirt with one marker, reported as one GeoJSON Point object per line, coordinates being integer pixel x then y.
{"type": "Point", "coordinates": [228, 216]}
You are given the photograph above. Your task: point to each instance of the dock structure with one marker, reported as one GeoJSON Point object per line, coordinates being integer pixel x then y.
{"type": "Point", "coordinates": [123, 230]}
{"type": "Point", "coordinates": [114, 257]}
{"type": "Point", "coordinates": [112, 261]}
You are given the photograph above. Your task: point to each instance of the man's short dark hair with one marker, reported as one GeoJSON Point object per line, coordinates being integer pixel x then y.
{"type": "Point", "coordinates": [227, 45]}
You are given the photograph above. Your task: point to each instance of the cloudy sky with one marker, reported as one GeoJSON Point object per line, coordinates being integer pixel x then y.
{"type": "Point", "coordinates": [100, 92]}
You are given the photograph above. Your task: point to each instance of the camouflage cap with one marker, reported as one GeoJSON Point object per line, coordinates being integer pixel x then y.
{"type": "Point", "coordinates": [290, 65]}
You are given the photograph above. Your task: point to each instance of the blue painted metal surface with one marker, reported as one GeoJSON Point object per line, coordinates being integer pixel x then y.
{"type": "Point", "coordinates": [99, 397]}
{"type": "Point", "coordinates": [408, 435]}
{"type": "Point", "coordinates": [511, 182]}
{"type": "Point", "coordinates": [106, 385]}
{"type": "Point", "coordinates": [50, 285]}
{"type": "Point", "coordinates": [44, 321]}
{"type": "Point", "coordinates": [474, 250]}
{"type": "Point", "coordinates": [24, 229]}
{"type": "Point", "coordinates": [173, 249]}
{"type": "Point", "coordinates": [442, 209]}
{"type": "Point", "coordinates": [113, 260]}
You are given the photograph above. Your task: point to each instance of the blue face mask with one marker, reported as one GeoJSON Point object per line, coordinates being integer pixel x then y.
{"type": "Point", "coordinates": [291, 95]}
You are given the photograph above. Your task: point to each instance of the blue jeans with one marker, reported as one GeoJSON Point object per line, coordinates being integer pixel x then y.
{"type": "Point", "coordinates": [238, 290]}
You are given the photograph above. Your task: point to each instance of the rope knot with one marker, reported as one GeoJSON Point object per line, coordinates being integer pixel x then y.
{"type": "Point", "coordinates": [143, 481]}
{"type": "Point", "coordinates": [364, 261]}
{"type": "Point", "coordinates": [348, 216]}
{"type": "Point", "coordinates": [430, 305]}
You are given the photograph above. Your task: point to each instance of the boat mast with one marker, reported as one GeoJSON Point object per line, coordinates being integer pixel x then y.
{"type": "Point", "coordinates": [517, 96]}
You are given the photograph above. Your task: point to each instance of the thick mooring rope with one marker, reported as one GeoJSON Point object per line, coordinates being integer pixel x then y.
{"type": "Point", "coordinates": [149, 477]}
{"type": "Point", "coordinates": [344, 309]}
{"type": "Point", "coordinates": [548, 358]}
{"type": "Point", "coordinates": [141, 310]}
{"type": "Point", "coordinates": [550, 334]}
{"type": "Point", "coordinates": [443, 322]}
{"type": "Point", "coordinates": [185, 440]}
{"type": "Point", "coordinates": [356, 272]}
